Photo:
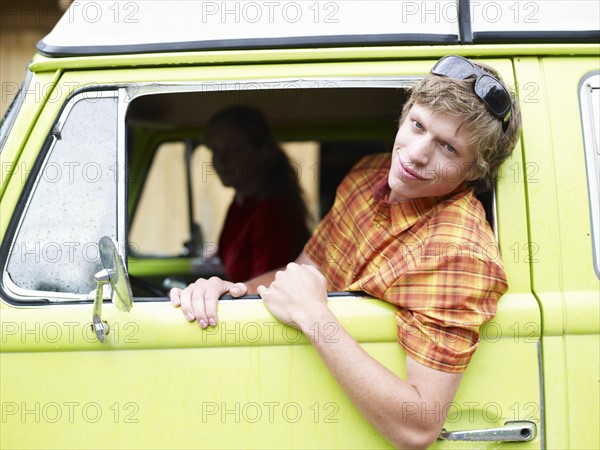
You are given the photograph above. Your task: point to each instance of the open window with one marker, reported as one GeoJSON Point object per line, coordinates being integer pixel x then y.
{"type": "Point", "coordinates": [177, 204]}
{"type": "Point", "coordinates": [323, 126]}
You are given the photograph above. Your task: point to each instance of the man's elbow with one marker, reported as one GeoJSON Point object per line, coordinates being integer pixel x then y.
{"type": "Point", "coordinates": [417, 437]}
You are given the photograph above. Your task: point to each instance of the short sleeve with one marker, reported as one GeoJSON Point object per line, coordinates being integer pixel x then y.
{"type": "Point", "coordinates": [334, 243]}
{"type": "Point", "coordinates": [327, 249]}
{"type": "Point", "coordinates": [441, 306]}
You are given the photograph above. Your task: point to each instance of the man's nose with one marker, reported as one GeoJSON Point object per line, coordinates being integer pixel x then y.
{"type": "Point", "coordinates": [420, 151]}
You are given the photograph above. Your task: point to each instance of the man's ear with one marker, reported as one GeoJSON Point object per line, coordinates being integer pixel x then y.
{"type": "Point", "coordinates": [475, 172]}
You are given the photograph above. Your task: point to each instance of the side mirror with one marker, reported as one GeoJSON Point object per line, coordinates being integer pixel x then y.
{"type": "Point", "coordinates": [115, 274]}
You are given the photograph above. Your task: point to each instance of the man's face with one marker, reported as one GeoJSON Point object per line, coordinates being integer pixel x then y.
{"type": "Point", "coordinates": [430, 157]}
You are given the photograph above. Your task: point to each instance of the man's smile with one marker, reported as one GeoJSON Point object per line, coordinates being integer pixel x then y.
{"type": "Point", "coordinates": [408, 173]}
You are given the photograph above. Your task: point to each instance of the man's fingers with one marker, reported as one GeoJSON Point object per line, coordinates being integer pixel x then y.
{"type": "Point", "coordinates": [175, 296]}
{"type": "Point", "coordinates": [238, 289]}
{"type": "Point", "coordinates": [185, 297]}
{"type": "Point", "coordinates": [199, 308]}
{"type": "Point", "coordinates": [214, 289]}
{"type": "Point", "coordinates": [199, 300]}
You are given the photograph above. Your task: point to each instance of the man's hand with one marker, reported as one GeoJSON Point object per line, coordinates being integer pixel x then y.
{"type": "Point", "coordinates": [199, 300]}
{"type": "Point", "coordinates": [400, 410]}
{"type": "Point", "coordinates": [297, 295]}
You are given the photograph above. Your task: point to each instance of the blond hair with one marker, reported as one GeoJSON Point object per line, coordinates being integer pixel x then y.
{"type": "Point", "coordinates": [457, 98]}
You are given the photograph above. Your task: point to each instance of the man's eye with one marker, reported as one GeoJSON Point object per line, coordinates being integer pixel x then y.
{"type": "Point", "coordinates": [450, 148]}
{"type": "Point", "coordinates": [417, 124]}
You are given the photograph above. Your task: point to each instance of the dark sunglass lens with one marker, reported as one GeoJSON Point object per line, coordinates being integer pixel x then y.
{"type": "Point", "coordinates": [493, 94]}
{"type": "Point", "coordinates": [453, 67]}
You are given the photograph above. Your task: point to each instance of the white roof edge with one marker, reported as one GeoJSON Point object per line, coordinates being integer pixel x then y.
{"type": "Point", "coordinates": [535, 16]}
{"type": "Point", "coordinates": [121, 26]}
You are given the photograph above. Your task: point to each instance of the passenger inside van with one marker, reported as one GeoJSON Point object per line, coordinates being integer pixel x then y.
{"type": "Point", "coordinates": [266, 223]}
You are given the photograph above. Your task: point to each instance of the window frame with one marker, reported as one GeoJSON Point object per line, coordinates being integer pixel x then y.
{"type": "Point", "coordinates": [589, 86]}
{"type": "Point", "coordinates": [8, 119]}
{"type": "Point", "coordinates": [124, 95]}
{"type": "Point", "coordinates": [15, 294]}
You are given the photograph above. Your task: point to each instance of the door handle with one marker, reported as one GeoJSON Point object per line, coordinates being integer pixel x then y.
{"type": "Point", "coordinates": [512, 431]}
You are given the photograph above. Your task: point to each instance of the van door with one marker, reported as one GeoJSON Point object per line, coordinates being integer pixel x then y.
{"type": "Point", "coordinates": [562, 176]}
{"type": "Point", "coordinates": [157, 381]}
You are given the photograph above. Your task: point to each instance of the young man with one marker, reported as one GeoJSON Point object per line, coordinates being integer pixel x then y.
{"type": "Point", "coordinates": [408, 229]}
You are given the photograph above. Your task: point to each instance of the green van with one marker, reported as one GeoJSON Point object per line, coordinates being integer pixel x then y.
{"type": "Point", "coordinates": [108, 193]}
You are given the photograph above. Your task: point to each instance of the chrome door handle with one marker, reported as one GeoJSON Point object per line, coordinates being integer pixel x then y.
{"type": "Point", "coordinates": [512, 431]}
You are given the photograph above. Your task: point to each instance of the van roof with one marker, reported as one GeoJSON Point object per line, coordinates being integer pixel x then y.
{"type": "Point", "coordinates": [148, 26]}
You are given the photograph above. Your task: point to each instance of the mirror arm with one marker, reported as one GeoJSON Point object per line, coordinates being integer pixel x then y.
{"type": "Point", "coordinates": [115, 273]}
{"type": "Point", "coordinates": [100, 328]}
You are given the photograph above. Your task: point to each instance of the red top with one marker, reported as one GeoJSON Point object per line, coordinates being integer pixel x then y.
{"type": "Point", "coordinates": [259, 237]}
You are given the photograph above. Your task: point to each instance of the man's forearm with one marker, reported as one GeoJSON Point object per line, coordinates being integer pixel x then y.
{"type": "Point", "coordinates": [399, 409]}
{"type": "Point", "coordinates": [393, 406]}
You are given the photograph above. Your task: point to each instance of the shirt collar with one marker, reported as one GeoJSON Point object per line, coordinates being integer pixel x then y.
{"type": "Point", "coordinates": [382, 190]}
{"type": "Point", "coordinates": [403, 215]}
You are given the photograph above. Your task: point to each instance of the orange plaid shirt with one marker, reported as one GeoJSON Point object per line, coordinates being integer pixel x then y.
{"type": "Point", "coordinates": [436, 259]}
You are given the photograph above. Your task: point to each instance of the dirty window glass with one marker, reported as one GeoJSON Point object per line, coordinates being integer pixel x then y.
{"type": "Point", "coordinates": [72, 205]}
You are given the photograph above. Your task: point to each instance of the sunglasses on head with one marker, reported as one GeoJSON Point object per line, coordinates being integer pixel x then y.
{"type": "Point", "coordinates": [487, 87]}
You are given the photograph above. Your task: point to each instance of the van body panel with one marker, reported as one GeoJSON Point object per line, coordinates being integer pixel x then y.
{"type": "Point", "coordinates": [41, 63]}
{"type": "Point", "coordinates": [251, 382]}
{"type": "Point", "coordinates": [561, 226]}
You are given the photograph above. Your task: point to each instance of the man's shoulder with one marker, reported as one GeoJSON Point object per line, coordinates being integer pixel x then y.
{"type": "Point", "coordinates": [363, 176]}
{"type": "Point", "coordinates": [461, 218]}
{"type": "Point", "coordinates": [375, 162]}
{"type": "Point", "coordinates": [367, 171]}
